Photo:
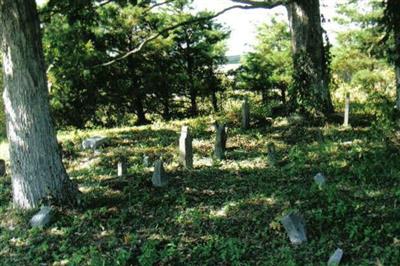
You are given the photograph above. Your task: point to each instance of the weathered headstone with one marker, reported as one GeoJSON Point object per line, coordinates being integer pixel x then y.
{"type": "Point", "coordinates": [346, 110]}
{"type": "Point", "coordinates": [2, 167]}
{"type": "Point", "coordinates": [159, 178]}
{"type": "Point", "coordinates": [271, 153]}
{"type": "Point", "coordinates": [121, 168]}
{"type": "Point", "coordinates": [42, 218]}
{"type": "Point", "coordinates": [336, 257]}
{"type": "Point", "coordinates": [186, 148]}
{"type": "Point", "coordinates": [295, 228]}
{"type": "Point", "coordinates": [93, 142]}
{"type": "Point", "coordinates": [245, 114]}
{"type": "Point", "coordinates": [146, 161]}
{"type": "Point", "coordinates": [320, 179]}
{"type": "Point", "coordinates": [220, 141]}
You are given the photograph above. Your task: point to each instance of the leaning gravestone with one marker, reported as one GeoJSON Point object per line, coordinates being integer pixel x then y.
{"type": "Point", "coordinates": [146, 161]}
{"type": "Point", "coordinates": [160, 178]}
{"type": "Point", "coordinates": [121, 168]}
{"type": "Point", "coordinates": [245, 114]}
{"type": "Point", "coordinates": [42, 218]}
{"type": "Point", "coordinates": [220, 141]}
{"type": "Point", "coordinates": [186, 148]}
{"type": "Point", "coordinates": [320, 179]}
{"type": "Point", "coordinates": [336, 257]}
{"type": "Point", "coordinates": [93, 142]}
{"type": "Point", "coordinates": [2, 167]}
{"type": "Point", "coordinates": [271, 153]}
{"type": "Point", "coordinates": [295, 228]}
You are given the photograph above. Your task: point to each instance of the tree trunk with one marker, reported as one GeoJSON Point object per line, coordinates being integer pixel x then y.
{"type": "Point", "coordinates": [141, 114]}
{"type": "Point", "coordinates": [306, 31]}
{"type": "Point", "coordinates": [397, 63]}
{"type": "Point", "coordinates": [37, 170]}
{"type": "Point", "coordinates": [166, 110]}
{"type": "Point", "coordinates": [214, 100]}
{"type": "Point", "coordinates": [264, 96]}
{"type": "Point", "coordinates": [193, 103]}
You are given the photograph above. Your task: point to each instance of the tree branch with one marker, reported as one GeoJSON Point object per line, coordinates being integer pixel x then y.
{"type": "Point", "coordinates": [168, 29]}
{"type": "Point", "coordinates": [157, 5]}
{"type": "Point", "coordinates": [263, 3]}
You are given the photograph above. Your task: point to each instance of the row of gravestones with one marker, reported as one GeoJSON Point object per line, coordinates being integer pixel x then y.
{"type": "Point", "coordinates": [293, 223]}
{"type": "Point", "coordinates": [97, 141]}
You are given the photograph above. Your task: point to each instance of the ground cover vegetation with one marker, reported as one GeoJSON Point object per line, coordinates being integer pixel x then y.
{"type": "Point", "coordinates": [221, 212]}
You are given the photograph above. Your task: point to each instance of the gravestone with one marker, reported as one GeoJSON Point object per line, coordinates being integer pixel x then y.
{"type": "Point", "coordinates": [2, 167]}
{"type": "Point", "coordinates": [93, 142]}
{"type": "Point", "coordinates": [146, 161]}
{"type": "Point", "coordinates": [186, 148]}
{"type": "Point", "coordinates": [271, 153]}
{"type": "Point", "coordinates": [245, 114]}
{"type": "Point", "coordinates": [320, 179]}
{"type": "Point", "coordinates": [121, 168]}
{"type": "Point", "coordinates": [220, 141]}
{"type": "Point", "coordinates": [160, 178]}
{"type": "Point", "coordinates": [42, 218]}
{"type": "Point", "coordinates": [346, 110]}
{"type": "Point", "coordinates": [295, 228]}
{"type": "Point", "coordinates": [336, 257]}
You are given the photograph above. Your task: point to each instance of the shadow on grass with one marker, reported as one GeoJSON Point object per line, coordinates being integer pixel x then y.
{"type": "Point", "coordinates": [228, 215]}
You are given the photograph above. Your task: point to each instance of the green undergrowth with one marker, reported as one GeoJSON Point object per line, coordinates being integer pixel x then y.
{"type": "Point", "coordinates": [221, 212]}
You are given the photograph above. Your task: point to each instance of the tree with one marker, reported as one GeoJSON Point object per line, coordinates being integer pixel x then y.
{"type": "Point", "coordinates": [270, 66]}
{"type": "Point", "coordinates": [37, 170]}
{"type": "Point", "coordinates": [199, 48]}
{"type": "Point", "coordinates": [308, 50]}
{"type": "Point", "coordinates": [368, 72]}
{"type": "Point", "coordinates": [392, 22]}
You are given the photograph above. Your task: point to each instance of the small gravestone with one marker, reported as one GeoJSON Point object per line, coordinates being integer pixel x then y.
{"type": "Point", "coordinates": [220, 141]}
{"type": "Point", "coordinates": [2, 167]}
{"type": "Point", "coordinates": [320, 179]}
{"type": "Point", "coordinates": [336, 257]}
{"type": "Point", "coordinates": [160, 178]}
{"type": "Point", "coordinates": [121, 168]}
{"type": "Point", "coordinates": [295, 228]}
{"type": "Point", "coordinates": [42, 218]}
{"type": "Point", "coordinates": [245, 114]}
{"type": "Point", "coordinates": [93, 142]}
{"type": "Point", "coordinates": [146, 161]}
{"type": "Point", "coordinates": [186, 148]}
{"type": "Point", "coordinates": [346, 110]}
{"type": "Point", "coordinates": [271, 153]}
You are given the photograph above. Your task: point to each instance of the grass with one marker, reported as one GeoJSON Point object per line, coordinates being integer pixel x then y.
{"type": "Point", "coordinates": [221, 212]}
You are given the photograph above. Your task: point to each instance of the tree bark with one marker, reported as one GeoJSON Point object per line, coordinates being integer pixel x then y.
{"type": "Point", "coordinates": [306, 31]}
{"type": "Point", "coordinates": [37, 170]}
{"type": "Point", "coordinates": [141, 114]}
{"type": "Point", "coordinates": [397, 62]}
{"type": "Point", "coordinates": [166, 110]}
{"type": "Point", "coordinates": [214, 100]}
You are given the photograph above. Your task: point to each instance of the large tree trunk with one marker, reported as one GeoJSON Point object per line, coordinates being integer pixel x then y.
{"type": "Point", "coordinates": [37, 170]}
{"type": "Point", "coordinates": [305, 25]}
